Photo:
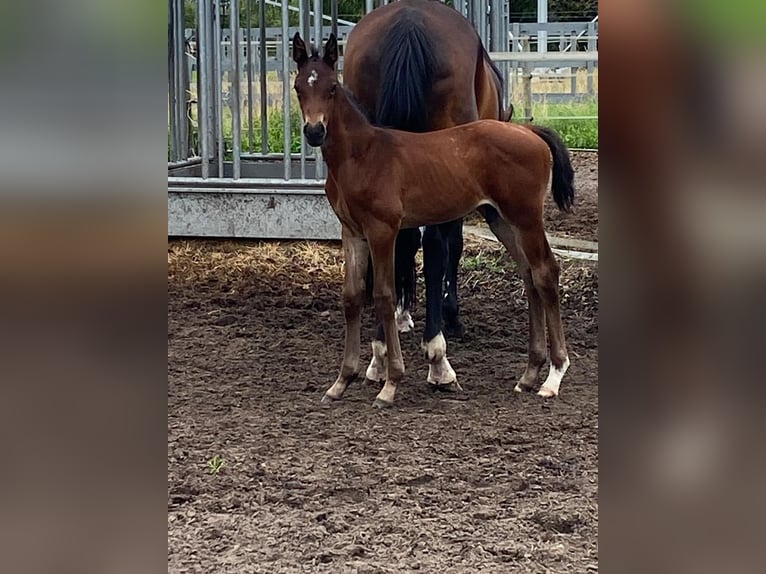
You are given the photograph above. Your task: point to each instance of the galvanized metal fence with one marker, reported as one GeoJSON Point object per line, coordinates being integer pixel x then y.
{"type": "Point", "coordinates": [237, 166]}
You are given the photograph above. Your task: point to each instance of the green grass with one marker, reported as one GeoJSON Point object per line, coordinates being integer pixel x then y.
{"type": "Point", "coordinates": [493, 262]}
{"type": "Point", "coordinates": [570, 121]}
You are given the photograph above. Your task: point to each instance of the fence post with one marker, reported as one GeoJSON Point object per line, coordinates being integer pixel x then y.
{"type": "Point", "coordinates": [527, 82]}
{"type": "Point", "coordinates": [573, 70]}
{"type": "Point", "coordinates": [591, 48]}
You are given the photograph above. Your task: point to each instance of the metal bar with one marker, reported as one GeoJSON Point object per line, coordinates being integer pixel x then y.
{"type": "Point", "coordinates": [202, 85]}
{"type": "Point", "coordinates": [242, 183]}
{"type": "Point", "coordinates": [286, 86]}
{"type": "Point", "coordinates": [181, 82]}
{"type": "Point", "coordinates": [535, 57]}
{"type": "Point", "coordinates": [573, 83]}
{"type": "Point", "coordinates": [249, 16]}
{"type": "Point", "coordinates": [234, 90]}
{"type": "Point", "coordinates": [218, 84]}
{"type": "Point", "coordinates": [368, 6]}
{"type": "Point", "coordinates": [476, 16]}
{"type": "Point", "coordinates": [592, 47]}
{"type": "Point", "coordinates": [184, 162]}
{"type": "Point", "coordinates": [294, 9]}
{"type": "Point", "coordinates": [319, 167]}
{"type": "Point", "coordinates": [334, 15]}
{"type": "Point", "coordinates": [172, 78]}
{"type": "Point", "coordinates": [542, 18]}
{"type": "Point", "coordinates": [304, 23]}
{"type": "Point", "coordinates": [262, 74]}
{"type": "Point", "coordinates": [175, 84]}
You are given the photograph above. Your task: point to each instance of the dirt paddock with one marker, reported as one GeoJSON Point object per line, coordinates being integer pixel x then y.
{"type": "Point", "coordinates": [484, 481]}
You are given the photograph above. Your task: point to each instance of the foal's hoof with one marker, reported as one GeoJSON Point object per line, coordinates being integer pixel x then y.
{"type": "Point", "coordinates": [522, 388]}
{"type": "Point", "coordinates": [381, 404]}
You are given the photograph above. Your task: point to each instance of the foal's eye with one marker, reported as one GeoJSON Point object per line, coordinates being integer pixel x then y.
{"type": "Point", "coordinates": [332, 90]}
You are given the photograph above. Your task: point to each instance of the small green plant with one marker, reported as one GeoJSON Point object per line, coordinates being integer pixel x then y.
{"type": "Point", "coordinates": [481, 261]}
{"type": "Point", "coordinates": [216, 464]}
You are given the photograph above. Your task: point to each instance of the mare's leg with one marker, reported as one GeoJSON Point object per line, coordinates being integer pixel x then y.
{"type": "Point", "coordinates": [545, 277]}
{"type": "Point", "coordinates": [355, 252]}
{"type": "Point", "coordinates": [434, 344]}
{"type": "Point", "coordinates": [407, 245]}
{"type": "Point", "coordinates": [453, 233]}
{"type": "Point", "coordinates": [381, 240]}
{"type": "Point", "coordinates": [504, 231]}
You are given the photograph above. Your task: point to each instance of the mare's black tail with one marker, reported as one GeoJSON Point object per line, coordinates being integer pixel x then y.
{"type": "Point", "coordinates": [562, 185]}
{"type": "Point", "coordinates": [406, 76]}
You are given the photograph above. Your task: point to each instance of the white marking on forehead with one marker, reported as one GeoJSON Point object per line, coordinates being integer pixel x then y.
{"type": "Point", "coordinates": [313, 77]}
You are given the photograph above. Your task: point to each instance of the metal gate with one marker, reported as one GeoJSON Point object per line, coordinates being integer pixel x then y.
{"type": "Point", "coordinates": [237, 166]}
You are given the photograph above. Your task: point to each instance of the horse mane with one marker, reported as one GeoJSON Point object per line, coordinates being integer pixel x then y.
{"type": "Point", "coordinates": [406, 76]}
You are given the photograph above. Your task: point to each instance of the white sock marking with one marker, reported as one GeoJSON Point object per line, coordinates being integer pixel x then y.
{"type": "Point", "coordinates": [551, 385]}
{"type": "Point", "coordinates": [378, 369]}
{"type": "Point", "coordinates": [440, 372]}
{"type": "Point", "coordinates": [404, 320]}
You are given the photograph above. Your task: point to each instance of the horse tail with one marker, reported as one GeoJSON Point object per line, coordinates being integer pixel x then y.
{"type": "Point", "coordinates": [406, 76]}
{"type": "Point", "coordinates": [562, 185]}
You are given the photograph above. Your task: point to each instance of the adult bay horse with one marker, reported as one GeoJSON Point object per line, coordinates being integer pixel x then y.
{"type": "Point", "coordinates": [419, 65]}
{"type": "Point", "coordinates": [382, 181]}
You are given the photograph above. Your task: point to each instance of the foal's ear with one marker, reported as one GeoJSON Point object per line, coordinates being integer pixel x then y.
{"type": "Point", "coordinates": [331, 51]}
{"type": "Point", "coordinates": [300, 56]}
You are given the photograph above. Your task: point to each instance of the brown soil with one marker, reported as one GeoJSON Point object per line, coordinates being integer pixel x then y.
{"type": "Point", "coordinates": [485, 481]}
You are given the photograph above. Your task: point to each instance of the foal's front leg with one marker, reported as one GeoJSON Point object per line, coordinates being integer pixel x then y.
{"type": "Point", "coordinates": [355, 251]}
{"type": "Point", "coordinates": [381, 243]}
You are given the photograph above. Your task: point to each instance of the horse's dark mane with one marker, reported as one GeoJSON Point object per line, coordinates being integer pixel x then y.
{"type": "Point", "coordinates": [406, 75]}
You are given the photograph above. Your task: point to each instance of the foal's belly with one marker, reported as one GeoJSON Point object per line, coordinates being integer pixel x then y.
{"type": "Point", "coordinates": [438, 208]}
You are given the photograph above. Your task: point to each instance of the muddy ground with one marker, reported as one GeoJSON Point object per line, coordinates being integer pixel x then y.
{"type": "Point", "coordinates": [485, 481]}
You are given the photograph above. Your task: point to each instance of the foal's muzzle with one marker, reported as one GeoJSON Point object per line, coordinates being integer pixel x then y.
{"type": "Point", "coordinates": [315, 133]}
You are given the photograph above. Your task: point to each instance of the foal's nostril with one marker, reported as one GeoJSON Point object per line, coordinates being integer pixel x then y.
{"type": "Point", "coordinates": [314, 133]}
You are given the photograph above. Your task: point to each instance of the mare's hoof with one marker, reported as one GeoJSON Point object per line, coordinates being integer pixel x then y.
{"type": "Point", "coordinates": [454, 330]}
{"type": "Point", "coordinates": [328, 400]}
{"type": "Point", "coordinates": [381, 404]}
{"type": "Point", "coordinates": [519, 388]}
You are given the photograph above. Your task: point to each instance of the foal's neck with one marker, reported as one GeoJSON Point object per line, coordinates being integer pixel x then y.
{"type": "Point", "coordinates": [349, 131]}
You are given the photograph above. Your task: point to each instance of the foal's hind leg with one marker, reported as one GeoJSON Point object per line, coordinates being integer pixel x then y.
{"type": "Point", "coordinates": [545, 277]}
{"type": "Point", "coordinates": [536, 350]}
{"type": "Point", "coordinates": [355, 252]}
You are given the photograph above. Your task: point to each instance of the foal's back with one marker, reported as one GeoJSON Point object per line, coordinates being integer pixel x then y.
{"type": "Point", "coordinates": [483, 151]}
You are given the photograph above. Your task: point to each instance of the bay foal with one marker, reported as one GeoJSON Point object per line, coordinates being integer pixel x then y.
{"type": "Point", "coordinates": [382, 181]}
